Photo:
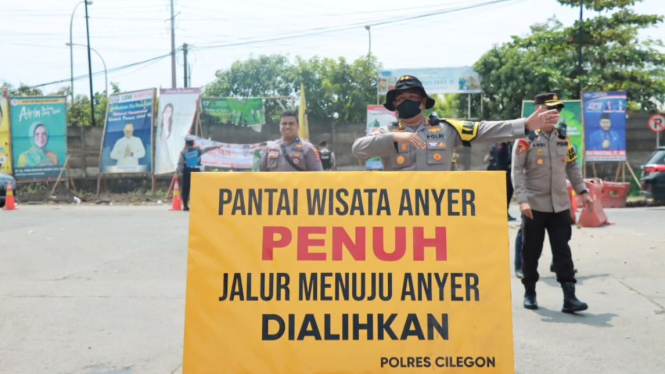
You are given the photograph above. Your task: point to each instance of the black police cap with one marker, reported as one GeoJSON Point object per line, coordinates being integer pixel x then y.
{"type": "Point", "coordinates": [550, 100]}
{"type": "Point", "coordinates": [406, 82]}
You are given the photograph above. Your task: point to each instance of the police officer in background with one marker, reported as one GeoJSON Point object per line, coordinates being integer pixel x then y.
{"type": "Point", "coordinates": [290, 153]}
{"type": "Point", "coordinates": [415, 143]}
{"type": "Point", "coordinates": [499, 158]}
{"type": "Point", "coordinates": [327, 157]}
{"type": "Point", "coordinates": [541, 164]}
{"type": "Point", "coordinates": [190, 162]}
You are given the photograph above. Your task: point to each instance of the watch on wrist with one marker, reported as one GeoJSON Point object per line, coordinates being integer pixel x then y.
{"type": "Point", "coordinates": [584, 191]}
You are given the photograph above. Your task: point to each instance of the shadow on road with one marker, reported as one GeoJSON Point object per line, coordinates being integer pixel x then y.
{"type": "Point", "coordinates": [556, 316]}
{"type": "Point", "coordinates": [551, 280]}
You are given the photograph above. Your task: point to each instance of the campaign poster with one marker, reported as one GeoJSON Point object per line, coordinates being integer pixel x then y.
{"type": "Point", "coordinates": [605, 124]}
{"type": "Point", "coordinates": [228, 156]}
{"type": "Point", "coordinates": [39, 136]}
{"type": "Point", "coordinates": [378, 119]}
{"type": "Point", "coordinates": [177, 109]}
{"type": "Point", "coordinates": [355, 272]}
{"type": "Point", "coordinates": [248, 112]}
{"type": "Point", "coordinates": [572, 115]}
{"type": "Point", "coordinates": [5, 136]}
{"type": "Point", "coordinates": [127, 142]}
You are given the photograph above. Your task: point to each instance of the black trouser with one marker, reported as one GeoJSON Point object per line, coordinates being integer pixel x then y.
{"type": "Point", "coordinates": [186, 185]}
{"type": "Point", "coordinates": [533, 235]}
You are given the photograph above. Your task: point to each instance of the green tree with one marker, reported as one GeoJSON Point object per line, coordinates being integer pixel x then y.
{"type": "Point", "coordinates": [331, 85]}
{"type": "Point", "coordinates": [614, 59]}
{"type": "Point", "coordinates": [22, 90]}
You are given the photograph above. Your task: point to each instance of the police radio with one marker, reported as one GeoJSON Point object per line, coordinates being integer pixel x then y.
{"type": "Point", "coordinates": [562, 129]}
{"type": "Point", "coordinates": [434, 119]}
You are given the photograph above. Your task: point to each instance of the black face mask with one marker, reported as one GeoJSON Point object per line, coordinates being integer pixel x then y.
{"type": "Point", "coordinates": [408, 109]}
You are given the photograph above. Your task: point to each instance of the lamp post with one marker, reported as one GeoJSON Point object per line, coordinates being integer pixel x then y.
{"type": "Point", "coordinates": [335, 116]}
{"type": "Point", "coordinates": [71, 49]}
{"type": "Point", "coordinates": [92, 95]}
{"type": "Point", "coordinates": [106, 78]}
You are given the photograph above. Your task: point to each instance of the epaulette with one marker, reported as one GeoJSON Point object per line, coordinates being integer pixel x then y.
{"type": "Point", "coordinates": [467, 130]}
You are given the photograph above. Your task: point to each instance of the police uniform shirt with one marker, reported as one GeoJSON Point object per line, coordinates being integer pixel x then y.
{"type": "Point", "coordinates": [439, 139]}
{"type": "Point", "coordinates": [539, 172]}
{"type": "Point", "coordinates": [302, 153]}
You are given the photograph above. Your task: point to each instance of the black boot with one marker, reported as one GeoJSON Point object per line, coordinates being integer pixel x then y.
{"type": "Point", "coordinates": [530, 300]}
{"type": "Point", "coordinates": [570, 302]}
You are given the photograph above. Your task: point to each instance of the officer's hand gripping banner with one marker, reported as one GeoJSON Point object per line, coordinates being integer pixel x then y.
{"type": "Point", "coordinates": [295, 273]}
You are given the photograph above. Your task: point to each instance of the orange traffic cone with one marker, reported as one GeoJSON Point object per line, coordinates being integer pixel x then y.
{"type": "Point", "coordinates": [10, 204]}
{"type": "Point", "coordinates": [177, 203]}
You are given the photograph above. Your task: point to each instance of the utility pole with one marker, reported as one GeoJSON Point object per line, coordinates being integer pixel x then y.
{"type": "Point", "coordinates": [580, 33]}
{"type": "Point", "coordinates": [369, 31]}
{"type": "Point", "coordinates": [92, 95]}
{"type": "Point", "coordinates": [184, 51]}
{"type": "Point", "coordinates": [173, 76]}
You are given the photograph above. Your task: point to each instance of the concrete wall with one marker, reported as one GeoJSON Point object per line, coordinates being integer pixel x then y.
{"type": "Point", "coordinates": [85, 142]}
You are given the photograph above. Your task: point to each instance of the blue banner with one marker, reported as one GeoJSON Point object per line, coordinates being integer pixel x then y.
{"type": "Point", "coordinates": [127, 144]}
{"type": "Point", "coordinates": [605, 126]}
{"type": "Point", "coordinates": [39, 136]}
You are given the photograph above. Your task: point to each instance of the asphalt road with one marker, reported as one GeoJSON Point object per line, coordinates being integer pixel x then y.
{"type": "Point", "coordinates": [100, 290]}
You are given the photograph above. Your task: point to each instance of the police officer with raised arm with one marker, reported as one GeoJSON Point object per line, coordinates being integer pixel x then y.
{"type": "Point", "coordinates": [416, 143]}
{"type": "Point", "coordinates": [541, 164]}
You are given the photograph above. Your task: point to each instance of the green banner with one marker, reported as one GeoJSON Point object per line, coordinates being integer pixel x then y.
{"type": "Point", "coordinates": [572, 114]}
{"type": "Point", "coordinates": [248, 112]}
{"type": "Point", "coordinates": [39, 136]}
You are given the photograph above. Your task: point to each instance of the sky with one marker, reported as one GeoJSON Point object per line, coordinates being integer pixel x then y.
{"type": "Point", "coordinates": [34, 33]}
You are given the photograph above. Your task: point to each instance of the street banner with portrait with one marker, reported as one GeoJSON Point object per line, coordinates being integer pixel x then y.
{"type": "Point", "coordinates": [248, 112]}
{"type": "Point", "coordinates": [605, 125]}
{"type": "Point", "coordinates": [177, 110]}
{"type": "Point", "coordinates": [354, 272]}
{"type": "Point", "coordinates": [5, 136]}
{"type": "Point", "coordinates": [39, 136]}
{"type": "Point", "coordinates": [227, 156]}
{"type": "Point", "coordinates": [378, 120]}
{"type": "Point", "coordinates": [127, 142]}
{"type": "Point", "coordinates": [458, 80]}
{"type": "Point", "coordinates": [572, 115]}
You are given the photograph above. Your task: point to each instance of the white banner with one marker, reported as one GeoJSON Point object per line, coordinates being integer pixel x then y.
{"type": "Point", "coordinates": [177, 108]}
{"type": "Point", "coordinates": [435, 80]}
{"type": "Point", "coordinates": [228, 156]}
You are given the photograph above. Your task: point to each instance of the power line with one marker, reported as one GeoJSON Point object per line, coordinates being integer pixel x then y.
{"type": "Point", "coordinates": [112, 70]}
{"type": "Point", "coordinates": [324, 30]}
{"type": "Point", "coordinates": [315, 31]}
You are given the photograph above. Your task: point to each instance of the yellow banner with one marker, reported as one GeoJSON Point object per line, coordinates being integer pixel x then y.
{"type": "Point", "coordinates": [392, 273]}
{"type": "Point", "coordinates": [5, 138]}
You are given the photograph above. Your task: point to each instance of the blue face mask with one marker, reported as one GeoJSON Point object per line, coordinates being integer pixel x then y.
{"type": "Point", "coordinates": [408, 109]}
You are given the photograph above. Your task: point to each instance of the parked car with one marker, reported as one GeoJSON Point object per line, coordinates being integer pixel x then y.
{"type": "Point", "coordinates": [4, 180]}
{"type": "Point", "coordinates": [653, 176]}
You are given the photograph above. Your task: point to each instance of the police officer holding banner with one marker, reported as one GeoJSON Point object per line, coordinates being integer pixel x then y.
{"type": "Point", "coordinates": [290, 153]}
{"type": "Point", "coordinates": [190, 162]}
{"type": "Point", "coordinates": [416, 143]}
{"type": "Point", "coordinates": [540, 166]}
